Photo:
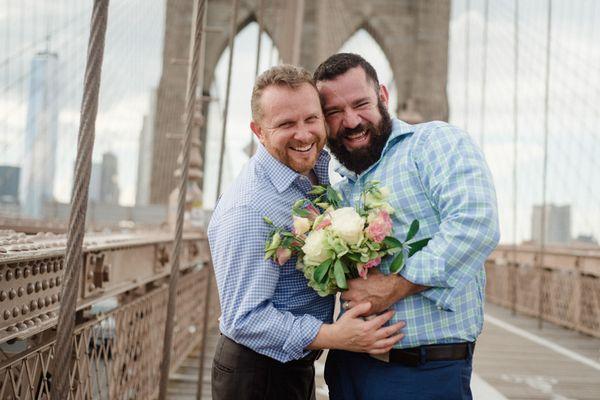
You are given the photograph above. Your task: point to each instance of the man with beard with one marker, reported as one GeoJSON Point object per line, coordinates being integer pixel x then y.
{"type": "Point", "coordinates": [272, 323]}
{"type": "Point", "coordinates": [437, 175]}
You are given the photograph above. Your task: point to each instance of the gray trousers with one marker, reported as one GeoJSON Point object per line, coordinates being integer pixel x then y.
{"type": "Point", "coordinates": [239, 373]}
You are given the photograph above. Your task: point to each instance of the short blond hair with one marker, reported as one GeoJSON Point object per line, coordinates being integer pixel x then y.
{"type": "Point", "coordinates": [280, 75]}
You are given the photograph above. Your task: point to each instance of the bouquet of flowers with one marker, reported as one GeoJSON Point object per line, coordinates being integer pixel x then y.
{"type": "Point", "coordinates": [335, 243]}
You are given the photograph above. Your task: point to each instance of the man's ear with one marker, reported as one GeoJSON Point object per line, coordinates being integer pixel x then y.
{"type": "Point", "coordinates": [256, 128]}
{"type": "Point", "coordinates": [384, 96]}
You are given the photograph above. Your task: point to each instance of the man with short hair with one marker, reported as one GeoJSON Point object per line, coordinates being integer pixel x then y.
{"type": "Point", "coordinates": [272, 323]}
{"type": "Point", "coordinates": [437, 175]}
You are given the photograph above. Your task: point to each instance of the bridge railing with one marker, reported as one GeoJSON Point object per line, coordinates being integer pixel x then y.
{"type": "Point", "coordinates": [121, 312]}
{"type": "Point", "coordinates": [560, 286]}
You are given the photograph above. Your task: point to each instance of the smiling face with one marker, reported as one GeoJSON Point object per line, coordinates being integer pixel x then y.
{"type": "Point", "coordinates": [291, 125]}
{"type": "Point", "coordinates": [357, 116]}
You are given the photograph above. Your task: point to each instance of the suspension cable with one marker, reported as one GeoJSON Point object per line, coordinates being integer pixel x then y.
{"type": "Point", "coordinates": [259, 20]}
{"type": "Point", "coordinates": [515, 150]}
{"type": "Point", "coordinates": [63, 359]}
{"type": "Point", "coordinates": [486, 6]}
{"type": "Point", "coordinates": [545, 164]}
{"type": "Point", "coordinates": [232, 32]}
{"type": "Point", "coordinates": [191, 124]}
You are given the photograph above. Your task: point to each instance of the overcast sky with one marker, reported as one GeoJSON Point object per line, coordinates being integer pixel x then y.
{"type": "Point", "coordinates": [132, 68]}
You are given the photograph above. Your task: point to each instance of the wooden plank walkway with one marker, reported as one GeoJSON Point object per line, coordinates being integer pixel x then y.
{"type": "Point", "coordinates": [513, 360]}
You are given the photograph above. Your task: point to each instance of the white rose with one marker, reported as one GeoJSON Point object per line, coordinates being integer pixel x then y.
{"type": "Point", "coordinates": [315, 249]}
{"type": "Point", "coordinates": [347, 224]}
{"type": "Point", "coordinates": [301, 225]}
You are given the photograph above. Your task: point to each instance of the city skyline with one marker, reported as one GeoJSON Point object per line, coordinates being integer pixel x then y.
{"type": "Point", "coordinates": [130, 74]}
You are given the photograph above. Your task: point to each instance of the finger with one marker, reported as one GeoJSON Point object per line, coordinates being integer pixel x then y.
{"type": "Point", "coordinates": [358, 310]}
{"type": "Point", "coordinates": [386, 343]}
{"type": "Point", "coordinates": [378, 321]}
{"type": "Point", "coordinates": [388, 331]}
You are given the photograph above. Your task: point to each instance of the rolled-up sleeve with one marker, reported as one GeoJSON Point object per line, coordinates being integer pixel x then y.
{"type": "Point", "coordinates": [459, 184]}
{"type": "Point", "coordinates": [246, 284]}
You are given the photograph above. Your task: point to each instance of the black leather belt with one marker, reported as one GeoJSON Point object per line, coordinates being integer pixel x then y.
{"type": "Point", "coordinates": [436, 352]}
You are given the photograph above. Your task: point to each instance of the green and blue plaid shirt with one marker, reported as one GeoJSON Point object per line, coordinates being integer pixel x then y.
{"type": "Point", "coordinates": [437, 174]}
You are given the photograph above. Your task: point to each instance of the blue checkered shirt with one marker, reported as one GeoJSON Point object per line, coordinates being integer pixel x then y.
{"type": "Point", "coordinates": [436, 174]}
{"type": "Point", "coordinates": [265, 307]}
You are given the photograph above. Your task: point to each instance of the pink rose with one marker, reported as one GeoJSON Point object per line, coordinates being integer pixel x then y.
{"type": "Point", "coordinates": [325, 223]}
{"type": "Point", "coordinates": [364, 268]}
{"type": "Point", "coordinates": [283, 255]}
{"type": "Point", "coordinates": [380, 227]}
{"type": "Point", "coordinates": [313, 212]}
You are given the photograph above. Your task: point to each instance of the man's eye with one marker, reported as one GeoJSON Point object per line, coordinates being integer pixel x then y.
{"type": "Point", "coordinates": [362, 105]}
{"type": "Point", "coordinates": [331, 112]}
{"type": "Point", "coordinates": [312, 118]}
{"type": "Point", "coordinates": [286, 125]}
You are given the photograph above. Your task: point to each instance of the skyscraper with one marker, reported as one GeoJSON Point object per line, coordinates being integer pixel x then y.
{"type": "Point", "coordinates": [557, 224]}
{"type": "Point", "coordinates": [37, 178]}
{"type": "Point", "coordinates": [109, 186]}
{"type": "Point", "coordinates": [145, 152]}
{"type": "Point", "coordinates": [9, 184]}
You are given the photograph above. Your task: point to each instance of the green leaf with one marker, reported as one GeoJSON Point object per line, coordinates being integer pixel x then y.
{"type": "Point", "coordinates": [340, 277]}
{"type": "Point", "coordinates": [417, 246]}
{"type": "Point", "coordinates": [354, 257]}
{"type": "Point", "coordinates": [300, 212]}
{"type": "Point", "coordinates": [333, 197]}
{"type": "Point", "coordinates": [318, 190]}
{"type": "Point", "coordinates": [268, 221]}
{"type": "Point", "coordinates": [397, 264]}
{"type": "Point", "coordinates": [412, 231]}
{"type": "Point", "coordinates": [321, 271]}
{"type": "Point", "coordinates": [391, 242]}
{"type": "Point", "coordinates": [269, 254]}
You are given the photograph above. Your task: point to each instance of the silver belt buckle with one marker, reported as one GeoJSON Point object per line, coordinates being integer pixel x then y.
{"type": "Point", "coordinates": [385, 357]}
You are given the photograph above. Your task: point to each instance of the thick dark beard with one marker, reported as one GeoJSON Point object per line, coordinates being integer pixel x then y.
{"type": "Point", "coordinates": [359, 160]}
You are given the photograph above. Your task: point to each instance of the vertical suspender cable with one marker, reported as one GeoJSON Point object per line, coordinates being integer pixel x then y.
{"type": "Point", "coordinates": [297, 41]}
{"type": "Point", "coordinates": [232, 31]}
{"type": "Point", "coordinates": [62, 361]}
{"type": "Point", "coordinates": [486, 6]}
{"type": "Point", "coordinates": [192, 98]}
{"type": "Point", "coordinates": [515, 152]}
{"type": "Point", "coordinates": [467, 45]}
{"type": "Point", "coordinates": [259, 20]}
{"type": "Point", "coordinates": [545, 165]}
{"type": "Point", "coordinates": [208, 295]}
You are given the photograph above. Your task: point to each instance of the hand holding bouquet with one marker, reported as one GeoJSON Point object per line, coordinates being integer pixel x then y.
{"type": "Point", "coordinates": [334, 243]}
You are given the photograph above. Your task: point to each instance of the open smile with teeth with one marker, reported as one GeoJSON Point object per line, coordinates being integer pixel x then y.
{"type": "Point", "coordinates": [303, 149]}
{"type": "Point", "coordinates": [357, 139]}
{"type": "Point", "coordinates": [358, 135]}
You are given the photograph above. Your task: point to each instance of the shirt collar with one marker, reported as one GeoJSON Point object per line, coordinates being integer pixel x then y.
{"type": "Point", "coordinates": [282, 176]}
{"type": "Point", "coordinates": [399, 129]}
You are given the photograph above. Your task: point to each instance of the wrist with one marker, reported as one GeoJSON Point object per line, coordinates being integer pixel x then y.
{"type": "Point", "coordinates": [325, 338]}
{"type": "Point", "coordinates": [404, 288]}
